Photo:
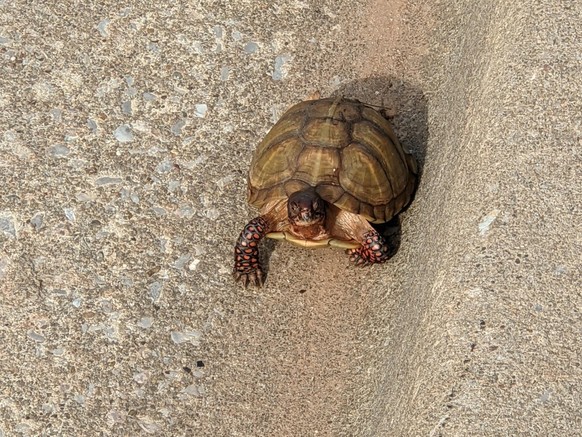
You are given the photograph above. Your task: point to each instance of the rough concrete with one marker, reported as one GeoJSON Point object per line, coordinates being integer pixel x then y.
{"type": "Point", "coordinates": [125, 135]}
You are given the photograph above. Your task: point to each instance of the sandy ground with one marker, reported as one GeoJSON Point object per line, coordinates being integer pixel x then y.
{"type": "Point", "coordinates": [126, 132]}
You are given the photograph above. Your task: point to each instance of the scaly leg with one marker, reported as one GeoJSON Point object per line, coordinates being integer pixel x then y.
{"type": "Point", "coordinates": [247, 268]}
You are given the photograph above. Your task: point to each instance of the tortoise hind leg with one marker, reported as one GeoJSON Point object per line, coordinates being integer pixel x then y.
{"type": "Point", "coordinates": [247, 268]}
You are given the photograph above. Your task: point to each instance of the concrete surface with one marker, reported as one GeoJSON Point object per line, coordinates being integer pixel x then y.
{"type": "Point", "coordinates": [126, 131]}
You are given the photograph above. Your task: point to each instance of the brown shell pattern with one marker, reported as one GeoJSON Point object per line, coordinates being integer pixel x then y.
{"type": "Point", "coordinates": [344, 149]}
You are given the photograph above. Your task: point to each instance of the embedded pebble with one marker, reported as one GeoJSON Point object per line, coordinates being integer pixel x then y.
{"type": "Point", "coordinates": [115, 416]}
{"type": "Point", "coordinates": [487, 221]}
{"type": "Point", "coordinates": [3, 268]}
{"type": "Point", "coordinates": [200, 110]}
{"type": "Point", "coordinates": [58, 352]}
{"type": "Point", "coordinates": [165, 166]}
{"type": "Point", "coordinates": [251, 47]}
{"type": "Point", "coordinates": [236, 35]}
{"type": "Point", "coordinates": [155, 290]}
{"type": "Point", "coordinates": [59, 151]}
{"type": "Point", "coordinates": [185, 211]}
{"type": "Point", "coordinates": [7, 226]}
{"type": "Point", "coordinates": [280, 70]}
{"type": "Point", "coordinates": [173, 186]}
{"type": "Point", "coordinates": [148, 425]}
{"type": "Point", "coordinates": [159, 211]}
{"type": "Point", "coordinates": [84, 197]}
{"type": "Point", "coordinates": [177, 127]}
{"type": "Point", "coordinates": [106, 180]}
{"type": "Point", "coordinates": [148, 97]}
{"type": "Point", "coordinates": [56, 114]}
{"type": "Point", "coordinates": [194, 264]}
{"type": "Point", "coordinates": [223, 182]}
{"type": "Point", "coordinates": [224, 73]}
{"type": "Point", "coordinates": [126, 107]}
{"type": "Point", "coordinates": [192, 390]}
{"type": "Point", "coordinates": [36, 337]}
{"type": "Point", "coordinates": [37, 220]}
{"type": "Point", "coordinates": [212, 213]}
{"type": "Point", "coordinates": [181, 262]}
{"type": "Point", "coordinates": [192, 337]}
{"type": "Point", "coordinates": [92, 124]}
{"type": "Point", "coordinates": [69, 214]}
{"type": "Point", "coordinates": [140, 378]}
{"type": "Point", "coordinates": [218, 31]}
{"type": "Point", "coordinates": [76, 302]}
{"type": "Point", "coordinates": [145, 322]}
{"type": "Point", "coordinates": [123, 134]}
{"type": "Point", "coordinates": [102, 27]}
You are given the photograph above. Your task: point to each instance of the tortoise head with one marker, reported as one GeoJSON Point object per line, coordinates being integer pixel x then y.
{"type": "Point", "coordinates": [305, 208]}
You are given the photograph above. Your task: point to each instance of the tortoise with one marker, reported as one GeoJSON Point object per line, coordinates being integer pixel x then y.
{"type": "Point", "coordinates": [325, 172]}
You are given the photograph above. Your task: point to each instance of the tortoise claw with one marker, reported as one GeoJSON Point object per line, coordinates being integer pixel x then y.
{"type": "Point", "coordinates": [256, 278]}
{"type": "Point", "coordinates": [357, 257]}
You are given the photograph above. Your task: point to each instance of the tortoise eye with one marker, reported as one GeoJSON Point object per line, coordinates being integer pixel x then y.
{"type": "Point", "coordinates": [294, 208]}
{"type": "Point", "coordinates": [315, 205]}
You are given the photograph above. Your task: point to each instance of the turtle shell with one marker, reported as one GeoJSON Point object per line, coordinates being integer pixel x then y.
{"type": "Point", "coordinates": [344, 149]}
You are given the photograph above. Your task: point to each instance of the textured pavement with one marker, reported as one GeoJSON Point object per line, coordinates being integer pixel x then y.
{"type": "Point", "coordinates": [126, 131]}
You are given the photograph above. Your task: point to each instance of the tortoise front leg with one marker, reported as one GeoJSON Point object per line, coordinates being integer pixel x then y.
{"type": "Point", "coordinates": [374, 249]}
{"type": "Point", "coordinates": [247, 268]}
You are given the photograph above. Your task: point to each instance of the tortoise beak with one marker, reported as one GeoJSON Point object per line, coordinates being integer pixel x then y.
{"type": "Point", "coordinates": [306, 215]}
